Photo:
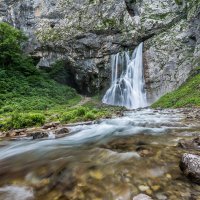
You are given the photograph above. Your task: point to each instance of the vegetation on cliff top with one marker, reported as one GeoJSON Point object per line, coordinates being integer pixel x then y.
{"type": "Point", "coordinates": [187, 95]}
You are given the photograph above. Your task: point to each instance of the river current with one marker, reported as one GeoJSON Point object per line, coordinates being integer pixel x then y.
{"type": "Point", "coordinates": [111, 159]}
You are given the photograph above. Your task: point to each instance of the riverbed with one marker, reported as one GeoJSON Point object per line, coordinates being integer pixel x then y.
{"type": "Point", "coordinates": [112, 159]}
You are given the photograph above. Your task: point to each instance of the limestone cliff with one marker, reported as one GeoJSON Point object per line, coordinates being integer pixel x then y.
{"type": "Point", "coordinates": [85, 33]}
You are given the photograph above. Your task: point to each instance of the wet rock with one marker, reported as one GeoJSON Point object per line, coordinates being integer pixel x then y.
{"type": "Point", "coordinates": [50, 125]}
{"type": "Point", "coordinates": [161, 196]}
{"type": "Point", "coordinates": [155, 187]}
{"type": "Point", "coordinates": [35, 181]}
{"type": "Point", "coordinates": [96, 174]}
{"type": "Point", "coordinates": [46, 131]}
{"type": "Point", "coordinates": [143, 188]}
{"type": "Point", "coordinates": [1, 134]}
{"type": "Point", "coordinates": [20, 130]}
{"type": "Point", "coordinates": [11, 134]}
{"type": "Point", "coordinates": [67, 179]}
{"type": "Point", "coordinates": [62, 131]}
{"type": "Point", "coordinates": [142, 197]}
{"type": "Point", "coordinates": [190, 165]}
{"type": "Point", "coordinates": [193, 114]}
{"type": "Point", "coordinates": [169, 176]}
{"type": "Point", "coordinates": [120, 113]}
{"type": "Point", "coordinates": [190, 144]}
{"type": "Point", "coordinates": [39, 135]}
{"type": "Point", "coordinates": [144, 151]}
{"type": "Point", "coordinates": [140, 143]}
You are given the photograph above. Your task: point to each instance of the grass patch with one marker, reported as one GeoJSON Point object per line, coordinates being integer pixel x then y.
{"type": "Point", "coordinates": [87, 112]}
{"type": "Point", "coordinates": [187, 95]}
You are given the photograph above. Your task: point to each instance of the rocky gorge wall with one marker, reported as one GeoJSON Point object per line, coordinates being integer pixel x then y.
{"type": "Point", "coordinates": [85, 33]}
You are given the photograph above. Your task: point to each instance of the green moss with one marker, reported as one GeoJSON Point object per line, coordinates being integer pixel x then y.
{"type": "Point", "coordinates": [109, 22]}
{"type": "Point", "coordinates": [192, 8]}
{"type": "Point", "coordinates": [159, 16]}
{"type": "Point", "coordinates": [179, 2]}
{"type": "Point", "coordinates": [186, 96]}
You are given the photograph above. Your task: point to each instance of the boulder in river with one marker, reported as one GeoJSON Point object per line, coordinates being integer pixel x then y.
{"type": "Point", "coordinates": [63, 130]}
{"type": "Point", "coordinates": [142, 197]}
{"type": "Point", "coordinates": [190, 165]}
{"type": "Point", "coordinates": [39, 134]}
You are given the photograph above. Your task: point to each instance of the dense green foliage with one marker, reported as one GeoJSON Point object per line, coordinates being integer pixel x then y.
{"type": "Point", "coordinates": [85, 113]}
{"type": "Point", "coordinates": [31, 97]}
{"type": "Point", "coordinates": [23, 87]}
{"type": "Point", "coordinates": [11, 55]}
{"type": "Point", "coordinates": [187, 95]}
{"type": "Point", "coordinates": [34, 92]}
{"type": "Point", "coordinates": [23, 120]}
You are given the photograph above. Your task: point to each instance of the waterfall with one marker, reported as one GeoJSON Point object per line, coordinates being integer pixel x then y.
{"type": "Point", "coordinates": [127, 87]}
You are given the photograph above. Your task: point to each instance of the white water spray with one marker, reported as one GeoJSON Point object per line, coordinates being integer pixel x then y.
{"type": "Point", "coordinates": [127, 88]}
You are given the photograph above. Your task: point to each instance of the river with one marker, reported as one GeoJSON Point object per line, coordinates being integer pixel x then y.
{"type": "Point", "coordinates": [112, 159]}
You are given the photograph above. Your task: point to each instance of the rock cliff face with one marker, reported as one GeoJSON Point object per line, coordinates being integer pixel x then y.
{"type": "Point", "coordinates": [86, 32]}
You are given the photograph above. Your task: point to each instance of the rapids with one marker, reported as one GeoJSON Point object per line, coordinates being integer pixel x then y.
{"type": "Point", "coordinates": [112, 159]}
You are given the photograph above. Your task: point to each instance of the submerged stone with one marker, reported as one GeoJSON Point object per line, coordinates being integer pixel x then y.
{"type": "Point", "coordinates": [144, 151]}
{"type": "Point", "coordinates": [142, 197]}
{"type": "Point", "coordinates": [190, 144]}
{"type": "Point", "coordinates": [143, 188]}
{"type": "Point", "coordinates": [39, 135]}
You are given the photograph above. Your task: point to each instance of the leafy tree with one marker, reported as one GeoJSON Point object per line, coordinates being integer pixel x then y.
{"type": "Point", "coordinates": [11, 54]}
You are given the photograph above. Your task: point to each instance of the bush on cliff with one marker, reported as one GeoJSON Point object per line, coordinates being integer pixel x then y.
{"type": "Point", "coordinates": [187, 95]}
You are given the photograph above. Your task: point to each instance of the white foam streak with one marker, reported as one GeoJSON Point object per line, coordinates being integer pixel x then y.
{"type": "Point", "coordinates": [16, 193]}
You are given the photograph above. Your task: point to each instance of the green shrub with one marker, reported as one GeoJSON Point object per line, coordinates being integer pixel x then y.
{"type": "Point", "coordinates": [80, 114]}
{"type": "Point", "coordinates": [81, 111]}
{"type": "Point", "coordinates": [67, 117]}
{"type": "Point", "coordinates": [90, 116]}
{"type": "Point", "coordinates": [20, 120]}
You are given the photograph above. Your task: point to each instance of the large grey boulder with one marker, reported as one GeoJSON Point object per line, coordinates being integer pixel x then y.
{"type": "Point", "coordinates": [190, 165]}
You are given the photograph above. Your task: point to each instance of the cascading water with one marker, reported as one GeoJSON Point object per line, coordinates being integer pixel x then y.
{"type": "Point", "coordinates": [127, 88]}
